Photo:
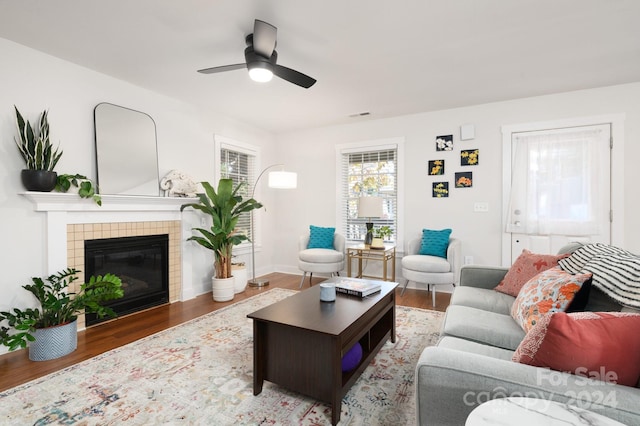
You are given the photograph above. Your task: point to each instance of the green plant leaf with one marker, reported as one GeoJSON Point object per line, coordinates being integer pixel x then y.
{"type": "Point", "coordinates": [224, 206]}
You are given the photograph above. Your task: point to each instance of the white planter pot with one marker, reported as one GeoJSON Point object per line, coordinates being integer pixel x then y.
{"type": "Point", "coordinates": [240, 275]}
{"type": "Point", "coordinates": [223, 289]}
{"type": "Point", "coordinates": [54, 342]}
{"type": "Point", "coordinates": [377, 243]}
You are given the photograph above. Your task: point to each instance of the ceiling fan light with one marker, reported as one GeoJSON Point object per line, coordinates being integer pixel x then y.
{"type": "Point", "coordinates": [261, 75]}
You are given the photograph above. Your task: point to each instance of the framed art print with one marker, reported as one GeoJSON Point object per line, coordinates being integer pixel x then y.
{"type": "Point", "coordinates": [444, 143]}
{"type": "Point", "coordinates": [469, 157]}
{"type": "Point", "coordinates": [440, 189]}
{"type": "Point", "coordinates": [464, 179]}
{"type": "Point", "coordinates": [436, 167]}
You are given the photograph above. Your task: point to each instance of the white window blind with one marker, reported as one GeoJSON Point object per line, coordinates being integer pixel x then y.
{"type": "Point", "coordinates": [239, 167]}
{"type": "Point", "coordinates": [369, 172]}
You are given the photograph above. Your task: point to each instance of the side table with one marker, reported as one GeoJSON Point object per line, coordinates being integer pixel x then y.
{"type": "Point", "coordinates": [364, 252]}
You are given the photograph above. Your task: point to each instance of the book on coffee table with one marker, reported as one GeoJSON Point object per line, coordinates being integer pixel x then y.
{"type": "Point", "coordinates": [358, 288]}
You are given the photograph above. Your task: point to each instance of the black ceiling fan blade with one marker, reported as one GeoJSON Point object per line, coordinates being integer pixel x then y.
{"type": "Point", "coordinates": [293, 76]}
{"type": "Point", "coordinates": [264, 38]}
{"type": "Point", "coordinates": [222, 68]}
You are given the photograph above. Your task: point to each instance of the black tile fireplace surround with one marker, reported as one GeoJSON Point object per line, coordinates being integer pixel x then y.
{"type": "Point", "coordinates": [142, 262]}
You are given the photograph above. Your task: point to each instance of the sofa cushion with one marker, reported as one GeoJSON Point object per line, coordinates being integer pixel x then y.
{"type": "Point", "coordinates": [482, 326]}
{"type": "Point", "coordinates": [549, 291]}
{"type": "Point", "coordinates": [482, 298]}
{"type": "Point", "coordinates": [526, 266]}
{"type": "Point", "coordinates": [458, 344]}
{"type": "Point", "coordinates": [423, 263]}
{"type": "Point", "coordinates": [320, 237]}
{"type": "Point", "coordinates": [581, 299]}
{"type": "Point", "coordinates": [600, 345]}
{"type": "Point", "coordinates": [435, 243]}
{"type": "Point", "coordinates": [318, 255]}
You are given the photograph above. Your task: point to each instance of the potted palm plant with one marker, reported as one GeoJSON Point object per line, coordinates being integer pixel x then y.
{"type": "Point", "coordinates": [38, 153]}
{"type": "Point", "coordinates": [224, 206]}
{"type": "Point", "coordinates": [50, 330]}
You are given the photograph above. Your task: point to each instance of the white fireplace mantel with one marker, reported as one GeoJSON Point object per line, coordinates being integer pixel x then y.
{"type": "Point", "coordinates": [62, 209]}
{"type": "Point", "coordinates": [69, 202]}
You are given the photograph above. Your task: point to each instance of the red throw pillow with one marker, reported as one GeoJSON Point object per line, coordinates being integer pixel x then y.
{"type": "Point", "coordinates": [526, 266]}
{"type": "Point", "coordinates": [599, 345]}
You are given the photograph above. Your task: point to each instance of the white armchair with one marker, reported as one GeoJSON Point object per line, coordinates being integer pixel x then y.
{"type": "Point", "coordinates": [432, 270]}
{"type": "Point", "coordinates": [320, 260]}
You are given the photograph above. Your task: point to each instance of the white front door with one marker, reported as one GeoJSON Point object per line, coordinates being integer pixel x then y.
{"type": "Point", "coordinates": [560, 188]}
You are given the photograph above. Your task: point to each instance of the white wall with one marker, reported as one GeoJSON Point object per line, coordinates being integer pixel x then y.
{"type": "Point", "coordinates": [33, 82]}
{"type": "Point", "coordinates": [312, 152]}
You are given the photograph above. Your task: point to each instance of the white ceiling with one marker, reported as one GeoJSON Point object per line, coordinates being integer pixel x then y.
{"type": "Point", "coordinates": [386, 57]}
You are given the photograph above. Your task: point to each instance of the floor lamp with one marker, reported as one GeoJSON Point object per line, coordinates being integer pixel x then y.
{"type": "Point", "coordinates": [369, 207]}
{"type": "Point", "coordinates": [279, 180]}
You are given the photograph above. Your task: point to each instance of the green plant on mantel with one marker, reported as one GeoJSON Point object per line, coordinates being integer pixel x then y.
{"type": "Point", "coordinates": [86, 188]}
{"type": "Point", "coordinates": [34, 144]}
{"type": "Point", "coordinates": [58, 306]}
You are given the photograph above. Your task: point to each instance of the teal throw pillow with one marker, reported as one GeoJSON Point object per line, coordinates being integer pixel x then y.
{"type": "Point", "coordinates": [435, 243]}
{"type": "Point", "coordinates": [320, 237]}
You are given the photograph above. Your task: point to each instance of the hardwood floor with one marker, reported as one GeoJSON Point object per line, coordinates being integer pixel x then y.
{"type": "Point", "coordinates": [16, 368]}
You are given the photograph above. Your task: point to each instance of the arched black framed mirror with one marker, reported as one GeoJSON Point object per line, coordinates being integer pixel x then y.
{"type": "Point", "coordinates": [126, 151]}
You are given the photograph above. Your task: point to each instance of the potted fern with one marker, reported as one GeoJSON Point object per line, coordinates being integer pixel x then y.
{"type": "Point", "coordinates": [50, 330]}
{"type": "Point", "coordinates": [224, 206]}
{"type": "Point", "coordinates": [38, 153]}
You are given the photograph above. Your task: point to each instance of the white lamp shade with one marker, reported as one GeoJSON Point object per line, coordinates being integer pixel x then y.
{"type": "Point", "coordinates": [370, 207]}
{"type": "Point", "coordinates": [283, 180]}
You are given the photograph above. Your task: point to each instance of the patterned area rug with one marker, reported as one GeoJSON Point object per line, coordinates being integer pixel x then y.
{"type": "Point", "coordinates": [200, 373]}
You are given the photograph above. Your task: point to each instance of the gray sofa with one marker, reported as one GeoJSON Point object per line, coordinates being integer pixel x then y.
{"type": "Point", "coordinates": [472, 362]}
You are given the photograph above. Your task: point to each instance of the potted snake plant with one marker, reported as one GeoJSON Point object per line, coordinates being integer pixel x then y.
{"type": "Point", "coordinates": [224, 206]}
{"type": "Point", "coordinates": [38, 153]}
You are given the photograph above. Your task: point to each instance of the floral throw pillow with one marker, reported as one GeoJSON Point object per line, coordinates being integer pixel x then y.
{"type": "Point", "coordinates": [526, 266]}
{"type": "Point", "coordinates": [552, 290]}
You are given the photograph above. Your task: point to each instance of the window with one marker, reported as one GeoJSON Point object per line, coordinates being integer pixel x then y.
{"type": "Point", "coordinates": [368, 171]}
{"type": "Point", "coordinates": [238, 163]}
{"type": "Point", "coordinates": [560, 182]}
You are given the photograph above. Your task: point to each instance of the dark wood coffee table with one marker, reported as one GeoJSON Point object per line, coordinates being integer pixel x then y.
{"type": "Point", "coordinates": [299, 342]}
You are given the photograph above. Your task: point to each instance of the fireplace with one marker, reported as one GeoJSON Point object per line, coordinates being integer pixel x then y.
{"type": "Point", "coordinates": [142, 262]}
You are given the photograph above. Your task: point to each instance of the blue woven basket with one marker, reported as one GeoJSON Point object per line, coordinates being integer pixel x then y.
{"type": "Point", "coordinates": [54, 342]}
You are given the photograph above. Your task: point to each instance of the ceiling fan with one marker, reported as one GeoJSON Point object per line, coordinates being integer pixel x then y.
{"type": "Point", "coordinates": [261, 57]}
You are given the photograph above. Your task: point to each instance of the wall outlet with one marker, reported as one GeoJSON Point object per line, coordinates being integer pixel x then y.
{"type": "Point", "coordinates": [468, 260]}
{"type": "Point", "coordinates": [481, 207]}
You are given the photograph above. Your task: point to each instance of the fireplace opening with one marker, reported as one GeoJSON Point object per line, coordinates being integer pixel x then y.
{"type": "Point", "coordinates": [142, 262]}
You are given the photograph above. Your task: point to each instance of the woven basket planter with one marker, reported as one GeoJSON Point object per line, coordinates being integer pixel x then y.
{"type": "Point", "coordinates": [54, 342]}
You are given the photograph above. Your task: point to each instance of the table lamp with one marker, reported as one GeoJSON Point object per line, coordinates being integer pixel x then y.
{"type": "Point", "coordinates": [369, 207]}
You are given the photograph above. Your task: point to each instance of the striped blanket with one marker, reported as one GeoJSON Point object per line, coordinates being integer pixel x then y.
{"type": "Point", "coordinates": [615, 271]}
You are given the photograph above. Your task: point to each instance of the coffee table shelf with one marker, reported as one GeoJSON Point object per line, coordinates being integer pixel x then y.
{"type": "Point", "coordinates": [299, 342]}
{"type": "Point", "coordinates": [371, 342]}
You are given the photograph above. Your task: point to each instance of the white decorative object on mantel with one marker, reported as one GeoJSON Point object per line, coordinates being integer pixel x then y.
{"type": "Point", "coordinates": [467, 132]}
{"type": "Point", "coordinates": [178, 184]}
